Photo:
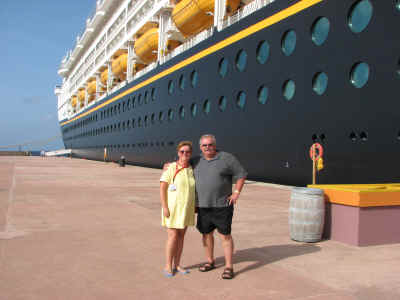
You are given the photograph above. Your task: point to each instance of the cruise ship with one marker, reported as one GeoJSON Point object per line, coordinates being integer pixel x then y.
{"type": "Point", "coordinates": [268, 78]}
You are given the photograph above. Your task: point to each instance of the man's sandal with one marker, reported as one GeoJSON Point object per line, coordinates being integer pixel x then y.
{"type": "Point", "coordinates": [207, 267]}
{"type": "Point", "coordinates": [228, 273]}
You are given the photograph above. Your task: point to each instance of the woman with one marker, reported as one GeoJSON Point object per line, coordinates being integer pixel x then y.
{"type": "Point", "coordinates": [177, 192]}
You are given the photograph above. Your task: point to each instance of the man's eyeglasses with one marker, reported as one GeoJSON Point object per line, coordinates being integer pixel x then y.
{"type": "Point", "coordinates": [183, 151]}
{"type": "Point", "coordinates": [207, 145]}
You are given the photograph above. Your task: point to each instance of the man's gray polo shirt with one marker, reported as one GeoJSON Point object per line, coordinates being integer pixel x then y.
{"type": "Point", "coordinates": [214, 179]}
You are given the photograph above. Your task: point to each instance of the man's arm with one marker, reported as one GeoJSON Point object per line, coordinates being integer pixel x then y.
{"type": "Point", "coordinates": [237, 190]}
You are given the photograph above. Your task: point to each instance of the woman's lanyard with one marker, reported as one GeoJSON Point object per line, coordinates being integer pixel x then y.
{"type": "Point", "coordinates": [172, 186]}
{"type": "Point", "coordinates": [177, 171]}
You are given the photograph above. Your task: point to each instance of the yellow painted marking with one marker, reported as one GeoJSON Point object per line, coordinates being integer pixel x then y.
{"type": "Point", "coordinates": [284, 14]}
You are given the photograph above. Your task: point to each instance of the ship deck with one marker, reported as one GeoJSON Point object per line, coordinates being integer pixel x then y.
{"type": "Point", "coordinates": [80, 229]}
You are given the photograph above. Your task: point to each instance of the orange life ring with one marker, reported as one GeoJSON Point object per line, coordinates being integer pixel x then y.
{"type": "Point", "coordinates": [316, 151]}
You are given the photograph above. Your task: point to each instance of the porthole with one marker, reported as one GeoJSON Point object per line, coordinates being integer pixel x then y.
{"type": "Point", "coordinates": [193, 109]}
{"type": "Point", "coordinates": [364, 136]}
{"type": "Point", "coordinates": [161, 116]}
{"type": "Point", "coordinates": [146, 97]}
{"type": "Point", "coordinates": [360, 15]}
{"type": "Point", "coordinates": [171, 87]}
{"type": "Point", "coordinates": [320, 31]}
{"type": "Point", "coordinates": [289, 42]}
{"type": "Point", "coordinates": [206, 106]}
{"type": "Point", "coordinates": [262, 94]}
{"type": "Point", "coordinates": [398, 5]}
{"type": "Point", "coordinates": [153, 94]}
{"type": "Point", "coordinates": [353, 136]}
{"type": "Point", "coordinates": [170, 114]}
{"type": "Point", "coordinates": [398, 68]}
{"type": "Point", "coordinates": [146, 121]}
{"type": "Point", "coordinates": [153, 118]}
{"type": "Point", "coordinates": [140, 99]}
{"type": "Point", "coordinates": [241, 100]}
{"type": "Point", "coordinates": [194, 78]}
{"type": "Point", "coordinates": [289, 89]}
{"type": "Point", "coordinates": [129, 104]}
{"type": "Point", "coordinates": [320, 83]}
{"type": "Point", "coordinates": [140, 122]}
{"type": "Point", "coordinates": [262, 52]}
{"type": "Point", "coordinates": [241, 60]}
{"type": "Point", "coordinates": [182, 112]}
{"type": "Point", "coordinates": [223, 67]}
{"type": "Point", "coordinates": [182, 82]}
{"type": "Point", "coordinates": [133, 123]}
{"type": "Point", "coordinates": [359, 74]}
{"type": "Point", "coordinates": [222, 103]}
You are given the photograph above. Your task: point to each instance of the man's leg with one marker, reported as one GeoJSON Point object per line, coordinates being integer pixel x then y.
{"type": "Point", "coordinates": [227, 244]}
{"type": "Point", "coordinates": [208, 244]}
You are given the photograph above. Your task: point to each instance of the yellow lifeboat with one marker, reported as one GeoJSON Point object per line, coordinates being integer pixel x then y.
{"type": "Point", "coordinates": [146, 46]}
{"type": "Point", "coordinates": [91, 90]}
{"type": "Point", "coordinates": [74, 101]}
{"type": "Point", "coordinates": [104, 77]}
{"type": "Point", "coordinates": [193, 16]}
{"type": "Point", "coordinates": [137, 67]}
{"type": "Point", "coordinates": [118, 66]}
{"type": "Point", "coordinates": [81, 97]}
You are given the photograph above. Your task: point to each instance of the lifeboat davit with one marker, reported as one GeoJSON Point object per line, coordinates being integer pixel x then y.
{"type": "Point", "coordinates": [146, 46]}
{"type": "Point", "coordinates": [193, 16]}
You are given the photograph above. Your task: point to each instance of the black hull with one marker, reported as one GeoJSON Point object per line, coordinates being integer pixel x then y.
{"type": "Point", "coordinates": [272, 140]}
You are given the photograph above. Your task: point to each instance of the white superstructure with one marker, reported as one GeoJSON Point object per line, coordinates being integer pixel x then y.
{"type": "Point", "coordinates": [104, 58]}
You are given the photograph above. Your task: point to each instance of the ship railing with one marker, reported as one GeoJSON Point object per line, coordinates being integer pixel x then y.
{"type": "Point", "coordinates": [193, 41]}
{"type": "Point", "coordinates": [145, 70]}
{"type": "Point", "coordinates": [244, 12]}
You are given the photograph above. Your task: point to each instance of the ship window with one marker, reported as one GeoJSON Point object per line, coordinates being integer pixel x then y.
{"type": "Point", "coordinates": [140, 99]}
{"type": "Point", "coordinates": [133, 102]}
{"type": "Point", "coordinates": [359, 74]}
{"type": "Point", "coordinates": [320, 83]}
{"type": "Point", "coordinates": [241, 60]}
{"type": "Point", "coordinates": [153, 94]}
{"type": "Point", "coordinates": [146, 97]}
{"type": "Point", "coordinates": [161, 116]}
{"type": "Point", "coordinates": [182, 82]}
{"type": "Point", "coordinates": [206, 106]}
{"type": "Point", "coordinates": [128, 124]}
{"type": "Point", "coordinates": [262, 52]}
{"type": "Point", "coordinates": [133, 123]}
{"type": "Point", "coordinates": [398, 5]}
{"type": "Point", "coordinates": [360, 15]}
{"type": "Point", "coordinates": [170, 114]}
{"type": "Point", "coordinates": [123, 106]}
{"type": "Point", "coordinates": [128, 105]}
{"type": "Point", "coordinates": [262, 94]}
{"type": "Point", "coordinates": [182, 112]}
{"type": "Point", "coordinates": [398, 68]}
{"type": "Point", "coordinates": [146, 121]}
{"type": "Point", "coordinates": [170, 87]}
{"type": "Point", "coordinates": [222, 103]}
{"type": "Point", "coordinates": [241, 100]}
{"type": "Point", "coordinates": [153, 118]}
{"type": "Point", "coordinates": [289, 89]}
{"type": "Point", "coordinates": [223, 67]}
{"type": "Point", "coordinates": [320, 31]}
{"type": "Point", "coordinates": [194, 78]}
{"type": "Point", "coordinates": [289, 42]}
{"type": "Point", "coordinates": [193, 109]}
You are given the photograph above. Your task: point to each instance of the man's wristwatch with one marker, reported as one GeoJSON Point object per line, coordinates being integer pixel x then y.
{"type": "Point", "coordinates": [236, 191]}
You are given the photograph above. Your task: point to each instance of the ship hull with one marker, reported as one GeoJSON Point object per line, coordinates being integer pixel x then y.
{"type": "Point", "coordinates": [358, 127]}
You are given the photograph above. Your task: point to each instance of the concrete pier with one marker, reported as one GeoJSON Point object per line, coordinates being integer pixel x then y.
{"type": "Point", "coordinates": [79, 229]}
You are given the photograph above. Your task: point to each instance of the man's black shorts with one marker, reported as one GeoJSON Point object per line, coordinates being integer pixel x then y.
{"type": "Point", "coordinates": [209, 218]}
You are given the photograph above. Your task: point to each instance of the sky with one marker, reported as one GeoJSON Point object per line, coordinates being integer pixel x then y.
{"type": "Point", "coordinates": [35, 36]}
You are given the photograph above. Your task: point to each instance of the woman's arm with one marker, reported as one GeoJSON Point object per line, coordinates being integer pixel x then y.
{"type": "Point", "coordinates": [164, 198]}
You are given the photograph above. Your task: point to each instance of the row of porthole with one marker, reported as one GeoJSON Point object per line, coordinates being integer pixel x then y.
{"type": "Point", "coordinates": [194, 77]}
{"type": "Point", "coordinates": [129, 146]}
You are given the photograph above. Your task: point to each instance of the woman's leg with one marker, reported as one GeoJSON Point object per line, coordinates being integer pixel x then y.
{"type": "Point", "coordinates": [171, 247]}
{"type": "Point", "coordinates": [179, 248]}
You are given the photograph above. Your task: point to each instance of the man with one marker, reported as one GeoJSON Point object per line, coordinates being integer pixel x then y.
{"type": "Point", "coordinates": [215, 172]}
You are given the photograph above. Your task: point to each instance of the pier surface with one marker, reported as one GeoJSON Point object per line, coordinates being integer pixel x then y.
{"type": "Point", "coordinates": [80, 229]}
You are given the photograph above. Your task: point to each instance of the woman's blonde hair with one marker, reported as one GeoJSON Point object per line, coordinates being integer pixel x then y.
{"type": "Point", "coordinates": [184, 143]}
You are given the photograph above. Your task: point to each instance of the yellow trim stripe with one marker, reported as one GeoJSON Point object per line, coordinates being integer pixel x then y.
{"type": "Point", "coordinates": [287, 12]}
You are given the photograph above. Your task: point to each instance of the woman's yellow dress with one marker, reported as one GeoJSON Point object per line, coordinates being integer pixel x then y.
{"type": "Point", "coordinates": [181, 202]}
